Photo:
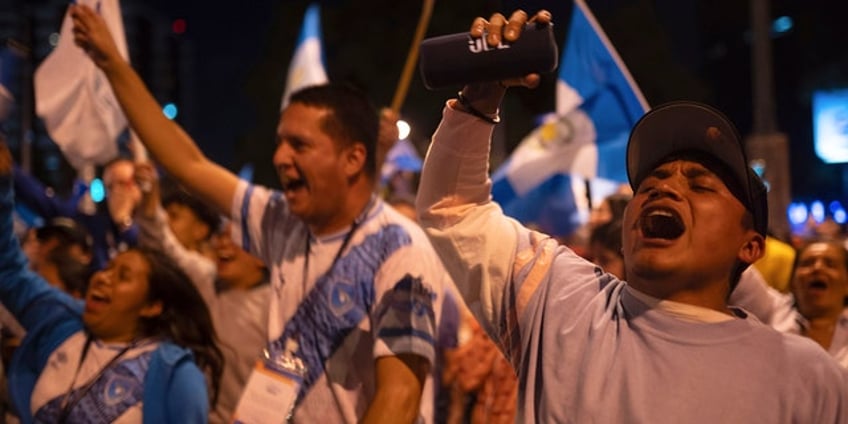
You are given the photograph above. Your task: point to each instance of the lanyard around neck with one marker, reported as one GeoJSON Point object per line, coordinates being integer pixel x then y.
{"type": "Point", "coordinates": [353, 227]}
{"type": "Point", "coordinates": [68, 404]}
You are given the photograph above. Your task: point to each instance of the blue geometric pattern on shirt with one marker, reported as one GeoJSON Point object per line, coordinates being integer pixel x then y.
{"type": "Point", "coordinates": [119, 388]}
{"type": "Point", "coordinates": [340, 300]}
{"type": "Point", "coordinates": [407, 310]}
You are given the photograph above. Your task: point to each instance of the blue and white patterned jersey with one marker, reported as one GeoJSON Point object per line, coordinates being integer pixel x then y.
{"type": "Point", "coordinates": [383, 297]}
{"type": "Point", "coordinates": [115, 396]}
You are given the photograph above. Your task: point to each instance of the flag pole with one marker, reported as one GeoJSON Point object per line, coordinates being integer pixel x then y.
{"type": "Point", "coordinates": [412, 57]}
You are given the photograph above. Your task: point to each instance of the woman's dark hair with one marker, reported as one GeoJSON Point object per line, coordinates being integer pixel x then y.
{"type": "Point", "coordinates": [185, 319]}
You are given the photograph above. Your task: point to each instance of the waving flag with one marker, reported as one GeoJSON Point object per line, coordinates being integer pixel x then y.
{"type": "Point", "coordinates": [549, 178]}
{"type": "Point", "coordinates": [594, 78]}
{"type": "Point", "coordinates": [74, 98]}
{"type": "Point", "coordinates": [307, 64]}
{"type": "Point", "coordinates": [401, 157]}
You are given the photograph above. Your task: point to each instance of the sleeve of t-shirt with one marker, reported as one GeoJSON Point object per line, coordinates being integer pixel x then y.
{"type": "Point", "coordinates": [259, 215]}
{"type": "Point", "coordinates": [502, 269]}
{"type": "Point", "coordinates": [408, 290]}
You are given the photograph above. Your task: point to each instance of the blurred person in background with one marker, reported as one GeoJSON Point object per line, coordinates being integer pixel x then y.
{"type": "Point", "coordinates": [233, 283]}
{"type": "Point", "coordinates": [136, 350]}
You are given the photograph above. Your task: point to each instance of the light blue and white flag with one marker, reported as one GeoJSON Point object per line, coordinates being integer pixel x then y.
{"type": "Point", "coordinates": [307, 64]}
{"type": "Point", "coordinates": [74, 98]}
{"type": "Point", "coordinates": [548, 180]}
{"type": "Point", "coordinates": [403, 156]}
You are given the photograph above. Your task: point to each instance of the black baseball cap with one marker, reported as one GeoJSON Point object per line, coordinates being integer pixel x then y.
{"type": "Point", "coordinates": [685, 129]}
{"type": "Point", "coordinates": [67, 230]}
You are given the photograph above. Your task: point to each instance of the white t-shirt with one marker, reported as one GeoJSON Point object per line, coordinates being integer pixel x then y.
{"type": "Point", "coordinates": [116, 396]}
{"type": "Point", "coordinates": [382, 297]}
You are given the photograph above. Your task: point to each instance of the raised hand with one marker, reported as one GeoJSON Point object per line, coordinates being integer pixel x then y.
{"type": "Point", "coordinates": [93, 36]}
{"type": "Point", "coordinates": [498, 28]}
{"type": "Point", "coordinates": [148, 181]}
{"type": "Point", "coordinates": [484, 98]}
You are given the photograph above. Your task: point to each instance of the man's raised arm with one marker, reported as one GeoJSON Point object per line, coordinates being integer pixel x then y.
{"type": "Point", "coordinates": [167, 142]}
{"type": "Point", "coordinates": [476, 242]}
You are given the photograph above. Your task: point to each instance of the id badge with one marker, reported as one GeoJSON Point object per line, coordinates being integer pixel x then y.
{"type": "Point", "coordinates": [268, 397]}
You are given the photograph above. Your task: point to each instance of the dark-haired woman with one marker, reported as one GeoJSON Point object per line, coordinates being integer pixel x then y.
{"type": "Point", "coordinates": [135, 351]}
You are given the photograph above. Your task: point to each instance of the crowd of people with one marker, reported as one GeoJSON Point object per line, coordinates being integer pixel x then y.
{"type": "Point", "coordinates": [219, 300]}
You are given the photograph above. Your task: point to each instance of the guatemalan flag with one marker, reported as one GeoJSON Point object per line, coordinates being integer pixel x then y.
{"type": "Point", "coordinates": [403, 156]}
{"type": "Point", "coordinates": [74, 98]}
{"type": "Point", "coordinates": [548, 179]}
{"type": "Point", "coordinates": [307, 64]}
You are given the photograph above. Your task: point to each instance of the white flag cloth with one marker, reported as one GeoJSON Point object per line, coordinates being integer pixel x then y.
{"type": "Point", "coordinates": [74, 98]}
{"type": "Point", "coordinates": [307, 64]}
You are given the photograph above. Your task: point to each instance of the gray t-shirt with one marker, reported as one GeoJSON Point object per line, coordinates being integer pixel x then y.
{"type": "Point", "coordinates": [584, 347]}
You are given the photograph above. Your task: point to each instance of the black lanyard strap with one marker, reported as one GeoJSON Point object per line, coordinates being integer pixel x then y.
{"type": "Point", "coordinates": [348, 237]}
{"type": "Point", "coordinates": [69, 402]}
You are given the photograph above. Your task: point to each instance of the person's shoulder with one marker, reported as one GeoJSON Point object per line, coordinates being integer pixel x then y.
{"type": "Point", "coordinates": [810, 360]}
{"type": "Point", "coordinates": [171, 353]}
{"type": "Point", "coordinates": [384, 216]}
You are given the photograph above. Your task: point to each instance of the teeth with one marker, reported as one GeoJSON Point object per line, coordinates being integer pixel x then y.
{"type": "Point", "coordinates": [662, 224]}
{"type": "Point", "coordinates": [658, 212]}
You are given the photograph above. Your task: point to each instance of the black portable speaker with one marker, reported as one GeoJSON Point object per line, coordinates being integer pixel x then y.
{"type": "Point", "coordinates": [458, 59]}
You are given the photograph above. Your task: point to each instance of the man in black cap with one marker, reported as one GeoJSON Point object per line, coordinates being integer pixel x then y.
{"type": "Point", "coordinates": [61, 251]}
{"type": "Point", "coordinates": [664, 346]}
{"type": "Point", "coordinates": [61, 234]}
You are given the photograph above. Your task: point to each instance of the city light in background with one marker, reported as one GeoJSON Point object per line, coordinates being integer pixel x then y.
{"type": "Point", "coordinates": [170, 110]}
{"type": "Point", "coordinates": [96, 190]}
{"type": "Point", "coordinates": [800, 213]}
{"type": "Point", "coordinates": [403, 129]}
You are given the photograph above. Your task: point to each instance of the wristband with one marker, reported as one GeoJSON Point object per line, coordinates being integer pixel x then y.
{"type": "Point", "coordinates": [472, 110]}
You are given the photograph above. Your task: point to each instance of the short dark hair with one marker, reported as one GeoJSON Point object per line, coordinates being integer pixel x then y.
{"type": "Point", "coordinates": [67, 232]}
{"type": "Point", "coordinates": [353, 118]}
{"type": "Point", "coordinates": [201, 210]}
{"type": "Point", "coordinates": [608, 235]}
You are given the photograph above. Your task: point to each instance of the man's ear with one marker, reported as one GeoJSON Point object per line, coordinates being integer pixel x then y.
{"type": "Point", "coordinates": [753, 249]}
{"type": "Point", "coordinates": [355, 157]}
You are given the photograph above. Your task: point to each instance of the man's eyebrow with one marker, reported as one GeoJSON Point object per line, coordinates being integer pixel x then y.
{"type": "Point", "coordinates": [659, 172]}
{"type": "Point", "coordinates": [697, 171]}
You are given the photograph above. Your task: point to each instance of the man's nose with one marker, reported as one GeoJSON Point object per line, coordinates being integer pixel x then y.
{"type": "Point", "coordinates": [282, 155]}
{"type": "Point", "coordinates": [665, 189]}
{"type": "Point", "coordinates": [103, 277]}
